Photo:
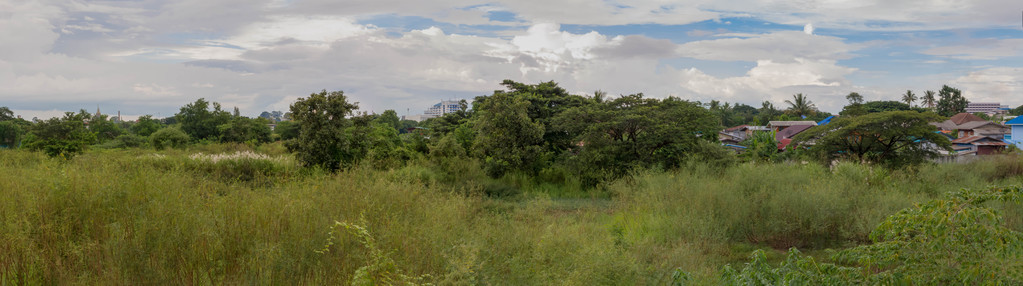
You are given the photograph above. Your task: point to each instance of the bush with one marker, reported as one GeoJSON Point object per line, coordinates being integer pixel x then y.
{"type": "Point", "coordinates": [169, 137]}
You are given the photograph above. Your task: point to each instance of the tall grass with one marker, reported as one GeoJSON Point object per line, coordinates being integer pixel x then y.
{"type": "Point", "coordinates": [174, 217]}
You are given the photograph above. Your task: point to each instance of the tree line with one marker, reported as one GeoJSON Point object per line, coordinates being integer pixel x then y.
{"type": "Point", "coordinates": [532, 129]}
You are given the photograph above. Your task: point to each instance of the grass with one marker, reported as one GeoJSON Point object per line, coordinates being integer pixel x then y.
{"type": "Point", "coordinates": [172, 217]}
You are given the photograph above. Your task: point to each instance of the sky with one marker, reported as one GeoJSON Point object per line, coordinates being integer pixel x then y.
{"type": "Point", "coordinates": [152, 57]}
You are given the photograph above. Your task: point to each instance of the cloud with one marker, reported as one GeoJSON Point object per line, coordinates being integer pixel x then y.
{"type": "Point", "coordinates": [782, 46]}
{"type": "Point", "coordinates": [980, 49]}
{"type": "Point", "coordinates": [998, 84]}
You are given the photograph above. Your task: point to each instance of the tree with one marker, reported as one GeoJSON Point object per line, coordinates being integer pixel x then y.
{"type": "Point", "coordinates": [885, 105]}
{"type": "Point", "coordinates": [243, 129]}
{"type": "Point", "coordinates": [1016, 111]}
{"type": "Point", "coordinates": [389, 118]}
{"type": "Point", "coordinates": [951, 101]}
{"type": "Point", "coordinates": [104, 128]}
{"type": "Point", "coordinates": [854, 98]}
{"type": "Point", "coordinates": [6, 114]}
{"type": "Point", "coordinates": [61, 137]}
{"type": "Point", "coordinates": [507, 139]}
{"type": "Point", "coordinates": [547, 100]}
{"type": "Point", "coordinates": [909, 97]}
{"type": "Point", "coordinates": [893, 139]}
{"type": "Point", "coordinates": [928, 99]}
{"type": "Point", "coordinates": [326, 135]}
{"type": "Point", "coordinates": [287, 129]}
{"type": "Point", "coordinates": [146, 125]}
{"type": "Point", "coordinates": [10, 134]}
{"type": "Point", "coordinates": [800, 106]}
{"type": "Point", "coordinates": [616, 136]}
{"type": "Point", "coordinates": [201, 123]}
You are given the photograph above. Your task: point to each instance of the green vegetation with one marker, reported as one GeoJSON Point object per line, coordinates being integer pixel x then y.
{"type": "Point", "coordinates": [532, 186]}
{"type": "Point", "coordinates": [230, 214]}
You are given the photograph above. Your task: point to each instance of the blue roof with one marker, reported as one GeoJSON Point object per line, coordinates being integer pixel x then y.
{"type": "Point", "coordinates": [1015, 121]}
{"type": "Point", "coordinates": [826, 120]}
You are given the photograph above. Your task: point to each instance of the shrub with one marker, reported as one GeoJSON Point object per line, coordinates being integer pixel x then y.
{"type": "Point", "coordinates": [170, 137]}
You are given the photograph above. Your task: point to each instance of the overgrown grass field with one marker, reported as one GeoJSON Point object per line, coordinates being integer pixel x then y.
{"type": "Point", "coordinates": [231, 214]}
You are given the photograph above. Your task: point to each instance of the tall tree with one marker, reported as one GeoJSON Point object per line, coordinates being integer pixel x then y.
{"type": "Point", "coordinates": [507, 140]}
{"type": "Point", "coordinates": [894, 138]}
{"type": "Point", "coordinates": [928, 99]}
{"type": "Point", "coordinates": [854, 98]}
{"type": "Point", "coordinates": [909, 98]}
{"type": "Point", "coordinates": [800, 106]}
{"type": "Point", "coordinates": [326, 137]}
{"type": "Point", "coordinates": [951, 101]}
{"type": "Point", "coordinates": [146, 125]}
{"type": "Point", "coordinates": [201, 123]}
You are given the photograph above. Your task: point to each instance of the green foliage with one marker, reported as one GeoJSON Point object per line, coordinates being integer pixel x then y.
{"type": "Point", "coordinates": [883, 106]}
{"type": "Point", "coordinates": [146, 126]}
{"type": "Point", "coordinates": [169, 137]}
{"type": "Point", "coordinates": [619, 135]}
{"type": "Point", "coordinates": [928, 99]}
{"type": "Point", "coordinates": [381, 269]}
{"type": "Point", "coordinates": [389, 118]}
{"type": "Point", "coordinates": [800, 106]}
{"type": "Point", "coordinates": [546, 100]}
{"type": "Point", "coordinates": [854, 98]}
{"type": "Point", "coordinates": [762, 148]}
{"type": "Point", "coordinates": [1016, 111]}
{"type": "Point", "coordinates": [199, 122]}
{"type": "Point", "coordinates": [909, 98]}
{"type": "Point", "coordinates": [327, 138]}
{"type": "Point", "coordinates": [955, 240]}
{"type": "Point", "coordinates": [104, 128]}
{"type": "Point", "coordinates": [795, 270]}
{"type": "Point", "coordinates": [507, 139]}
{"type": "Point", "coordinates": [11, 133]}
{"type": "Point", "coordinates": [951, 101]}
{"type": "Point", "coordinates": [243, 129]}
{"type": "Point", "coordinates": [6, 114]}
{"type": "Point", "coordinates": [386, 149]}
{"type": "Point", "coordinates": [893, 139]}
{"type": "Point", "coordinates": [287, 130]}
{"type": "Point", "coordinates": [62, 137]}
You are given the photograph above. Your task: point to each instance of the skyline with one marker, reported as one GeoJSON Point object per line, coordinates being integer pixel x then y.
{"type": "Point", "coordinates": [152, 57]}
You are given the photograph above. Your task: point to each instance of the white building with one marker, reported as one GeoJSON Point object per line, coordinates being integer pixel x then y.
{"type": "Point", "coordinates": [985, 107]}
{"type": "Point", "coordinates": [437, 110]}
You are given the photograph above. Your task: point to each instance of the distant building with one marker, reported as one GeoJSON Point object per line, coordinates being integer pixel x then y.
{"type": "Point", "coordinates": [437, 110]}
{"type": "Point", "coordinates": [986, 107]}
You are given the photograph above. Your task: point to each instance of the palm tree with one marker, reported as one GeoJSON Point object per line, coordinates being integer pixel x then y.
{"type": "Point", "coordinates": [929, 99]}
{"type": "Point", "coordinates": [800, 105]}
{"type": "Point", "coordinates": [909, 98]}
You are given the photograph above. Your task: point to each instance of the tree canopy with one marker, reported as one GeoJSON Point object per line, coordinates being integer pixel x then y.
{"type": "Point", "coordinates": [893, 138]}
{"type": "Point", "coordinates": [326, 135]}
{"type": "Point", "coordinates": [951, 101]}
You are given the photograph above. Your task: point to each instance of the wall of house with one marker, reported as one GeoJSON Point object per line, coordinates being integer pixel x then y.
{"type": "Point", "coordinates": [1017, 135]}
{"type": "Point", "coordinates": [988, 150]}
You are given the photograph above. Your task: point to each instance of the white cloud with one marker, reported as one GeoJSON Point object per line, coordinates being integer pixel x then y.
{"type": "Point", "coordinates": [999, 84]}
{"type": "Point", "coordinates": [808, 29]}
{"type": "Point", "coordinates": [980, 49]}
{"type": "Point", "coordinates": [782, 46]}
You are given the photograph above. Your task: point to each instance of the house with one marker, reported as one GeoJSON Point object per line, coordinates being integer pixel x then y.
{"type": "Point", "coordinates": [778, 126]}
{"type": "Point", "coordinates": [733, 135]}
{"type": "Point", "coordinates": [981, 145]}
{"type": "Point", "coordinates": [784, 137]}
{"type": "Point", "coordinates": [1016, 131]}
{"type": "Point", "coordinates": [966, 125]}
{"type": "Point", "coordinates": [737, 134]}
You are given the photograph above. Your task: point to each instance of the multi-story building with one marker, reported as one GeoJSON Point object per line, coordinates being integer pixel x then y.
{"type": "Point", "coordinates": [985, 107]}
{"type": "Point", "coordinates": [437, 110]}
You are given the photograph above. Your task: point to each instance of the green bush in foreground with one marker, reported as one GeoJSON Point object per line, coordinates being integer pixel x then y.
{"type": "Point", "coordinates": [169, 137]}
{"type": "Point", "coordinates": [953, 240]}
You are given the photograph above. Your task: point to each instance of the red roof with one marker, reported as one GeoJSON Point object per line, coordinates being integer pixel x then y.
{"type": "Point", "coordinates": [964, 117]}
{"type": "Point", "coordinates": [784, 143]}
